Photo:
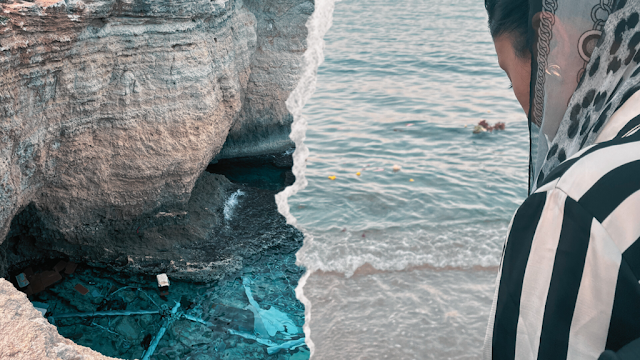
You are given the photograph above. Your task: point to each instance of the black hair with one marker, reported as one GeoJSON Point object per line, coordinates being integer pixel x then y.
{"type": "Point", "coordinates": [510, 17]}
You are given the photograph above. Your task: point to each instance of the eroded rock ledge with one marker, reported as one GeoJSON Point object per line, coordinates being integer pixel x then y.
{"type": "Point", "coordinates": [111, 110]}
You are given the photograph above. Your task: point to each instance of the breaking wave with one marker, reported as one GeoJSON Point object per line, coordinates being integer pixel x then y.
{"type": "Point", "coordinates": [231, 204]}
{"type": "Point", "coordinates": [317, 26]}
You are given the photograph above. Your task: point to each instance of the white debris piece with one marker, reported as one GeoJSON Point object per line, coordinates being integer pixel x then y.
{"type": "Point", "coordinates": [163, 280]}
{"type": "Point", "coordinates": [268, 322]}
{"type": "Point", "coordinates": [289, 345]}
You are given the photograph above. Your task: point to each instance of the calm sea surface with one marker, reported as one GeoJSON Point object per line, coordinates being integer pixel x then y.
{"type": "Point", "coordinates": [405, 269]}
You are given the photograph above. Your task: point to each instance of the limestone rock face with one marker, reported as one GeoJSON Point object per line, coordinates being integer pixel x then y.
{"type": "Point", "coordinates": [111, 109]}
{"type": "Point", "coordinates": [25, 334]}
{"type": "Point", "coordinates": [264, 122]}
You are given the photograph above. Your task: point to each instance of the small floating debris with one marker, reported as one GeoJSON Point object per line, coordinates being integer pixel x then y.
{"type": "Point", "coordinates": [396, 168]}
{"type": "Point", "coordinates": [409, 125]}
{"type": "Point", "coordinates": [411, 180]}
{"type": "Point", "coordinates": [358, 173]}
{"type": "Point", "coordinates": [331, 177]}
{"type": "Point", "coordinates": [484, 126]}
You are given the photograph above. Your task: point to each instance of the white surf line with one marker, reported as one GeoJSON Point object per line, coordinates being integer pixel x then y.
{"type": "Point", "coordinates": [317, 26]}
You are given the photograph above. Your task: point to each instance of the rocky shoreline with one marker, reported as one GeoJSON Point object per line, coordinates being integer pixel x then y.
{"type": "Point", "coordinates": [112, 110]}
{"type": "Point", "coordinates": [110, 113]}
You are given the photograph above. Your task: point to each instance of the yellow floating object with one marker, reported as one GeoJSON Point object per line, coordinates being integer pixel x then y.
{"type": "Point", "coordinates": [411, 180]}
{"type": "Point", "coordinates": [358, 173]}
{"type": "Point", "coordinates": [332, 177]}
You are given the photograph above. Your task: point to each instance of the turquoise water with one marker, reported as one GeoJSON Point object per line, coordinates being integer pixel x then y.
{"type": "Point", "coordinates": [220, 307]}
{"type": "Point", "coordinates": [229, 316]}
{"type": "Point", "coordinates": [406, 268]}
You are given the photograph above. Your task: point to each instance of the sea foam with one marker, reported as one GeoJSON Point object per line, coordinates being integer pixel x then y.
{"type": "Point", "coordinates": [317, 26]}
{"type": "Point", "coordinates": [231, 203]}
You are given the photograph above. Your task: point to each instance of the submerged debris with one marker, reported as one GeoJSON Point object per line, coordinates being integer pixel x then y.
{"type": "Point", "coordinates": [213, 321]}
{"type": "Point", "coordinates": [267, 323]}
{"type": "Point", "coordinates": [33, 283]}
{"type": "Point", "coordinates": [163, 284]}
{"type": "Point", "coordinates": [168, 321]}
{"type": "Point", "coordinates": [81, 289]}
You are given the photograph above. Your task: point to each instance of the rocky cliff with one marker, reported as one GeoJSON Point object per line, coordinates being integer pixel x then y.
{"type": "Point", "coordinates": [110, 110]}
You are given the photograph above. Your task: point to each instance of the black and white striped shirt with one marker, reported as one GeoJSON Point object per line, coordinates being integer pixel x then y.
{"type": "Point", "coordinates": [568, 283]}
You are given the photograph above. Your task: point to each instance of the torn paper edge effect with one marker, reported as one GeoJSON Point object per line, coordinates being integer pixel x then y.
{"type": "Point", "coordinates": [317, 26]}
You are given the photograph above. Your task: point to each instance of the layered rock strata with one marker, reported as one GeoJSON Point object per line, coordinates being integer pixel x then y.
{"type": "Point", "coordinates": [110, 111]}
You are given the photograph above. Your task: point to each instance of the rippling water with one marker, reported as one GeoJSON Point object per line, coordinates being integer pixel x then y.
{"type": "Point", "coordinates": [406, 268]}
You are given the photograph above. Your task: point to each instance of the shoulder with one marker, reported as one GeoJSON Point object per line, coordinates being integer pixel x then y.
{"type": "Point", "coordinates": [603, 181]}
{"type": "Point", "coordinates": [600, 177]}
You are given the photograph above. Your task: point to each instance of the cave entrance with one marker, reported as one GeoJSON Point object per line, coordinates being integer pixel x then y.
{"type": "Point", "coordinates": [268, 172]}
{"type": "Point", "coordinates": [249, 312]}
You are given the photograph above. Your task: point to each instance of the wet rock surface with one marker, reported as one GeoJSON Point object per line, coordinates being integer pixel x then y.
{"type": "Point", "coordinates": [213, 236]}
{"type": "Point", "coordinates": [264, 123]}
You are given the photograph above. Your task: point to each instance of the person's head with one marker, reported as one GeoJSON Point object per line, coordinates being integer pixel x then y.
{"type": "Point", "coordinates": [509, 27]}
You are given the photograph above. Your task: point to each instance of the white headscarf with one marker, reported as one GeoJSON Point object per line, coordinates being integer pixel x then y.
{"type": "Point", "coordinates": [585, 65]}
